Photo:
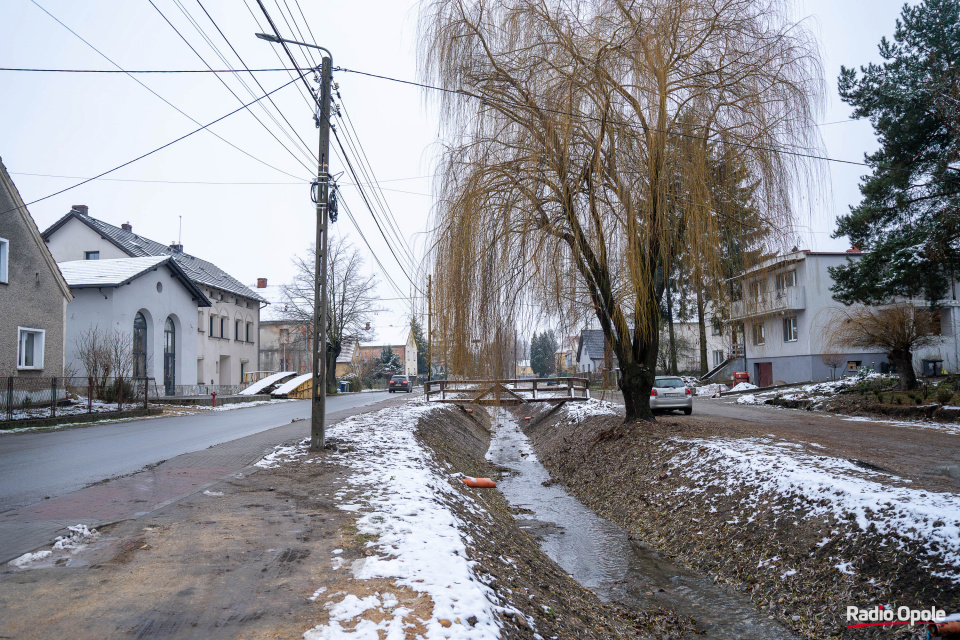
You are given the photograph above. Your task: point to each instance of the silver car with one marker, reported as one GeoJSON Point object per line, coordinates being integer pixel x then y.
{"type": "Point", "coordinates": [669, 393]}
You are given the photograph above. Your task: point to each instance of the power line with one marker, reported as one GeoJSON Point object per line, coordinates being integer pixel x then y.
{"type": "Point", "coordinates": [224, 83]}
{"type": "Point", "coordinates": [510, 103]}
{"type": "Point", "coordinates": [141, 70]}
{"type": "Point", "coordinates": [180, 111]}
{"type": "Point", "coordinates": [160, 148]}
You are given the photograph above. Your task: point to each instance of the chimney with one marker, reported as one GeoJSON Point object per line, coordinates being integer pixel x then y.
{"type": "Point", "coordinates": [82, 209]}
{"type": "Point", "coordinates": [126, 226]}
{"type": "Point", "coordinates": [178, 248]}
{"type": "Point", "coordinates": [261, 283]}
{"type": "Point", "coordinates": [853, 250]}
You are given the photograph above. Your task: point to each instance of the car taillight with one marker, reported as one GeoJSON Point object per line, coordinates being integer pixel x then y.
{"type": "Point", "coordinates": [687, 391]}
{"type": "Point", "coordinates": [653, 393]}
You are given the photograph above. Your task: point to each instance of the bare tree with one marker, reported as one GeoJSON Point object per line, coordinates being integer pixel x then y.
{"type": "Point", "coordinates": [580, 158]}
{"type": "Point", "coordinates": [832, 360]}
{"type": "Point", "coordinates": [896, 329]}
{"type": "Point", "coordinates": [104, 355]}
{"type": "Point", "coordinates": [353, 299]}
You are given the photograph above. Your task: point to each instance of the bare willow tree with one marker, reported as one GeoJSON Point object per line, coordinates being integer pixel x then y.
{"type": "Point", "coordinates": [896, 329]}
{"type": "Point", "coordinates": [104, 354]}
{"type": "Point", "coordinates": [579, 166]}
{"type": "Point", "coordinates": [352, 296]}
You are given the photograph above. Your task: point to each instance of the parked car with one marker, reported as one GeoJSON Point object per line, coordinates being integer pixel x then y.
{"type": "Point", "coordinates": [400, 383]}
{"type": "Point", "coordinates": [669, 393]}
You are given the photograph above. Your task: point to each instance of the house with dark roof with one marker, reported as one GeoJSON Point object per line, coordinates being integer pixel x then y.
{"type": "Point", "coordinates": [33, 293]}
{"type": "Point", "coordinates": [227, 329]}
{"type": "Point", "coordinates": [147, 302]}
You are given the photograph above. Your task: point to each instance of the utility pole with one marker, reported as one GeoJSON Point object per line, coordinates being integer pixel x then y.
{"type": "Point", "coordinates": [429, 327]}
{"type": "Point", "coordinates": [319, 400]}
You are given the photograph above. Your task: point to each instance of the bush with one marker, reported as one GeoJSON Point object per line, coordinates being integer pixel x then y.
{"type": "Point", "coordinates": [898, 400]}
{"type": "Point", "coordinates": [944, 395]}
{"type": "Point", "coordinates": [110, 392]}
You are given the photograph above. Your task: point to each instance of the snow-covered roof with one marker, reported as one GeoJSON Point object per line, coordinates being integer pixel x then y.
{"type": "Point", "coordinates": [200, 271]}
{"type": "Point", "coordinates": [82, 274]}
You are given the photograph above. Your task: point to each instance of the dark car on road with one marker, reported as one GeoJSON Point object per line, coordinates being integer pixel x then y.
{"type": "Point", "coordinates": [401, 383]}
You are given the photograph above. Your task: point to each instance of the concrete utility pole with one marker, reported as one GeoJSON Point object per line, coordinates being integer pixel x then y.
{"type": "Point", "coordinates": [319, 403]}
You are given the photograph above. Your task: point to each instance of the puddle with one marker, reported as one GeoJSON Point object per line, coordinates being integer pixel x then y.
{"type": "Point", "coordinates": [600, 556]}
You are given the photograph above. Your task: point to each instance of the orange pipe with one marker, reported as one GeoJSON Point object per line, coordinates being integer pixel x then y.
{"type": "Point", "coordinates": [949, 627]}
{"type": "Point", "coordinates": [528, 418]}
{"type": "Point", "coordinates": [481, 483]}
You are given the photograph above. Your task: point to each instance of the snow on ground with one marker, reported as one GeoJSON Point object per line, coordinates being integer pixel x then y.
{"type": "Point", "coordinates": [77, 537]}
{"type": "Point", "coordinates": [825, 486]}
{"type": "Point", "coordinates": [403, 495]}
{"type": "Point", "coordinates": [578, 411]}
{"type": "Point", "coordinates": [744, 386]}
{"type": "Point", "coordinates": [711, 389]}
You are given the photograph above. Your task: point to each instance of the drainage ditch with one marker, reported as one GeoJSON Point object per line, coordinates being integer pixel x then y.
{"type": "Point", "coordinates": [602, 557]}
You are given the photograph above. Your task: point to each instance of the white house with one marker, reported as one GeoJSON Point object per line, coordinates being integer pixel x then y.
{"type": "Point", "coordinates": [781, 322]}
{"type": "Point", "coordinates": [151, 301]}
{"type": "Point", "coordinates": [227, 330]}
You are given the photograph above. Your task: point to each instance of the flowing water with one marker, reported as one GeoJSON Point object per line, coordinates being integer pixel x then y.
{"type": "Point", "coordinates": [600, 555]}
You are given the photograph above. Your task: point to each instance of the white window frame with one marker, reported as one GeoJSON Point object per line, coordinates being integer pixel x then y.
{"type": "Point", "coordinates": [37, 360]}
{"type": "Point", "coordinates": [786, 279]}
{"type": "Point", "coordinates": [718, 357]}
{"type": "Point", "coordinates": [4, 260]}
{"type": "Point", "coordinates": [759, 334]}
{"type": "Point", "coordinates": [791, 329]}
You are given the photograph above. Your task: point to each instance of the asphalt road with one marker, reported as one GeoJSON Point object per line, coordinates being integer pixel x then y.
{"type": "Point", "coordinates": [41, 464]}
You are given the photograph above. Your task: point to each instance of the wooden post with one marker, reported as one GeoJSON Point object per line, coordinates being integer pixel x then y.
{"type": "Point", "coordinates": [119, 386]}
{"type": "Point", "coordinates": [10, 398]}
{"type": "Point", "coordinates": [90, 394]}
{"type": "Point", "coordinates": [53, 397]}
{"type": "Point", "coordinates": [145, 388]}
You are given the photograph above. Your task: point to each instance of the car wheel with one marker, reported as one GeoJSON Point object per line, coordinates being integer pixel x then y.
{"type": "Point", "coordinates": [688, 411]}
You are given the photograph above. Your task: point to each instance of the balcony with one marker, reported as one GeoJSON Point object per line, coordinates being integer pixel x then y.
{"type": "Point", "coordinates": [789, 299]}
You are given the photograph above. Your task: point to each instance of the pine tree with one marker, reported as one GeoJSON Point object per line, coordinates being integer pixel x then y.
{"type": "Point", "coordinates": [908, 220]}
{"type": "Point", "coordinates": [423, 347]}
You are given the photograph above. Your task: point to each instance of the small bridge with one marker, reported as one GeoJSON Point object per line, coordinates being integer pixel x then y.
{"type": "Point", "coordinates": [501, 392]}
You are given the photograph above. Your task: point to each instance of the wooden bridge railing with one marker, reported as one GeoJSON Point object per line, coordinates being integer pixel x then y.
{"type": "Point", "coordinates": [517, 391]}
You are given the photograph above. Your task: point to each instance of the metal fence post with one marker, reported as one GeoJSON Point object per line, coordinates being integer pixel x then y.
{"type": "Point", "coordinates": [119, 384]}
{"type": "Point", "coordinates": [145, 389]}
{"type": "Point", "coordinates": [90, 394]}
{"type": "Point", "coordinates": [10, 398]}
{"type": "Point", "coordinates": [53, 397]}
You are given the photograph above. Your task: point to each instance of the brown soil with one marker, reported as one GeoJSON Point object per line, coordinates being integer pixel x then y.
{"type": "Point", "coordinates": [245, 564]}
{"type": "Point", "coordinates": [627, 473]}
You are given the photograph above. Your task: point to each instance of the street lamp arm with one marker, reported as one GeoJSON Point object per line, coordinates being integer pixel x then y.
{"type": "Point", "coordinates": [272, 38]}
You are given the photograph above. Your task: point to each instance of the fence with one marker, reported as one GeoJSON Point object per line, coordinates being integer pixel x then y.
{"type": "Point", "coordinates": [507, 391]}
{"type": "Point", "coordinates": [187, 390]}
{"type": "Point", "coordinates": [23, 398]}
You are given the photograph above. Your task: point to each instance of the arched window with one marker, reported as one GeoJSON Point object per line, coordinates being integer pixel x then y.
{"type": "Point", "coordinates": [169, 357]}
{"type": "Point", "coordinates": [139, 346]}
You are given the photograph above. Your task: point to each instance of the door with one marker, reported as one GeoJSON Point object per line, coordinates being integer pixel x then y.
{"type": "Point", "coordinates": [169, 357]}
{"type": "Point", "coordinates": [763, 373]}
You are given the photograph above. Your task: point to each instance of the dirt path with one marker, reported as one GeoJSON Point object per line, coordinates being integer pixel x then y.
{"type": "Point", "coordinates": [928, 454]}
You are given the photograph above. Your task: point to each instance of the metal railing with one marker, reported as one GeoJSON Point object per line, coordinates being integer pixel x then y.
{"type": "Point", "coordinates": [518, 391]}
{"type": "Point", "coordinates": [25, 398]}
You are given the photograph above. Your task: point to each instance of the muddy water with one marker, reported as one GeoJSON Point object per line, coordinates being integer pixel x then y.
{"type": "Point", "coordinates": [600, 556]}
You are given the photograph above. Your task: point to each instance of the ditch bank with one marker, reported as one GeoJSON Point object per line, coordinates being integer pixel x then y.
{"type": "Point", "coordinates": [510, 561]}
{"type": "Point", "coordinates": [801, 556]}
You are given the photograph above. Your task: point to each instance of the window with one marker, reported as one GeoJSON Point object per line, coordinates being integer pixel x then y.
{"type": "Point", "coordinates": [718, 357]}
{"type": "Point", "coordinates": [91, 255]}
{"type": "Point", "coordinates": [756, 290]}
{"type": "Point", "coordinates": [223, 328]}
{"type": "Point", "coordinates": [139, 345]}
{"type": "Point", "coordinates": [717, 327]}
{"type": "Point", "coordinates": [853, 365]}
{"type": "Point", "coordinates": [249, 332]}
{"type": "Point", "coordinates": [786, 279]}
{"type": "Point", "coordinates": [213, 320]}
{"type": "Point", "coordinates": [30, 348]}
{"type": "Point", "coordinates": [237, 330]}
{"type": "Point", "coordinates": [4, 258]}
{"type": "Point", "coordinates": [759, 335]}
{"type": "Point", "coordinates": [790, 330]}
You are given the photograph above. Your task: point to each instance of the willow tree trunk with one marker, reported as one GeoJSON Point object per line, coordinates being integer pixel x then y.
{"type": "Point", "coordinates": [701, 321]}
{"type": "Point", "coordinates": [902, 361]}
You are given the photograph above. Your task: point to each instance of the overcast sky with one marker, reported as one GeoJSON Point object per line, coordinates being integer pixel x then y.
{"type": "Point", "coordinates": [245, 216]}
